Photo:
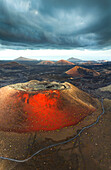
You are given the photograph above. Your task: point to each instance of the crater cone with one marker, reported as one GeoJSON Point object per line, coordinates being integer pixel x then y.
{"type": "Point", "coordinates": [64, 62]}
{"type": "Point", "coordinates": [78, 71]}
{"type": "Point", "coordinates": [46, 63]}
{"type": "Point", "coordinates": [36, 106]}
{"type": "Point", "coordinates": [12, 65]}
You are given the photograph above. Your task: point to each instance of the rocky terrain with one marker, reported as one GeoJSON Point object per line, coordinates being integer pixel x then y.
{"type": "Point", "coordinates": [90, 150]}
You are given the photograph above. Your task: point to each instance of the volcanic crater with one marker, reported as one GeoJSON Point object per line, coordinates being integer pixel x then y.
{"type": "Point", "coordinates": [43, 106]}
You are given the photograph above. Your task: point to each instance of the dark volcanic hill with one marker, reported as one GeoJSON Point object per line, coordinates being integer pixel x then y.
{"type": "Point", "coordinates": [12, 65]}
{"type": "Point", "coordinates": [78, 71]}
{"type": "Point", "coordinates": [64, 62]}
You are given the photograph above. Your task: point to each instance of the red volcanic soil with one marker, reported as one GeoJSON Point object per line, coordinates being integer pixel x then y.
{"type": "Point", "coordinates": [78, 71]}
{"type": "Point", "coordinates": [36, 106]}
{"type": "Point", "coordinates": [46, 62]}
{"type": "Point", "coordinates": [64, 62]}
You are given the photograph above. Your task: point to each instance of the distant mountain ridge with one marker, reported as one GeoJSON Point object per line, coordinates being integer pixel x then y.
{"type": "Point", "coordinates": [24, 59]}
{"type": "Point", "coordinates": [72, 59]}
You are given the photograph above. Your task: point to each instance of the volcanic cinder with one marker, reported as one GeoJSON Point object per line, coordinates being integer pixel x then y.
{"type": "Point", "coordinates": [78, 71]}
{"type": "Point", "coordinates": [42, 106]}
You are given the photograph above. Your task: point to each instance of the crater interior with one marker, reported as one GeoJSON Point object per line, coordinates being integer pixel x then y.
{"type": "Point", "coordinates": [35, 85]}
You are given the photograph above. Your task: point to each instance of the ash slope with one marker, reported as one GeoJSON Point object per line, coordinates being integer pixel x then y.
{"type": "Point", "coordinates": [56, 106]}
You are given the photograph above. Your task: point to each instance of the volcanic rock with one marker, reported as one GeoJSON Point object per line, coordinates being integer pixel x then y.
{"type": "Point", "coordinates": [36, 106]}
{"type": "Point", "coordinates": [104, 92]}
{"type": "Point", "coordinates": [78, 71]}
{"type": "Point", "coordinates": [106, 88]}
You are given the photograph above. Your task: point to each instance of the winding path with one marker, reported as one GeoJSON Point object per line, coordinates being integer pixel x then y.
{"type": "Point", "coordinates": [60, 143]}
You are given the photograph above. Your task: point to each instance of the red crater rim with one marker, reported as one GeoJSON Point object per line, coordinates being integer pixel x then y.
{"type": "Point", "coordinates": [46, 106]}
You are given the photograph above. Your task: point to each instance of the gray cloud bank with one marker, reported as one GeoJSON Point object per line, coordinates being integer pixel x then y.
{"type": "Point", "coordinates": [66, 24]}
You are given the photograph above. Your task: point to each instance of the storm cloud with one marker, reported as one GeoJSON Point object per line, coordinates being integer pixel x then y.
{"type": "Point", "coordinates": [56, 24]}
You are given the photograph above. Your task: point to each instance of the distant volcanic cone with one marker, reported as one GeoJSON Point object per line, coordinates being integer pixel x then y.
{"type": "Point", "coordinates": [46, 63]}
{"type": "Point", "coordinates": [78, 71]}
{"type": "Point", "coordinates": [36, 106]}
{"type": "Point", "coordinates": [64, 62]}
{"type": "Point", "coordinates": [12, 65]}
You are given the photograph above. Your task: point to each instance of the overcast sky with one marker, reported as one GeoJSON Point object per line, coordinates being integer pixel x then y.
{"type": "Point", "coordinates": [67, 28]}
